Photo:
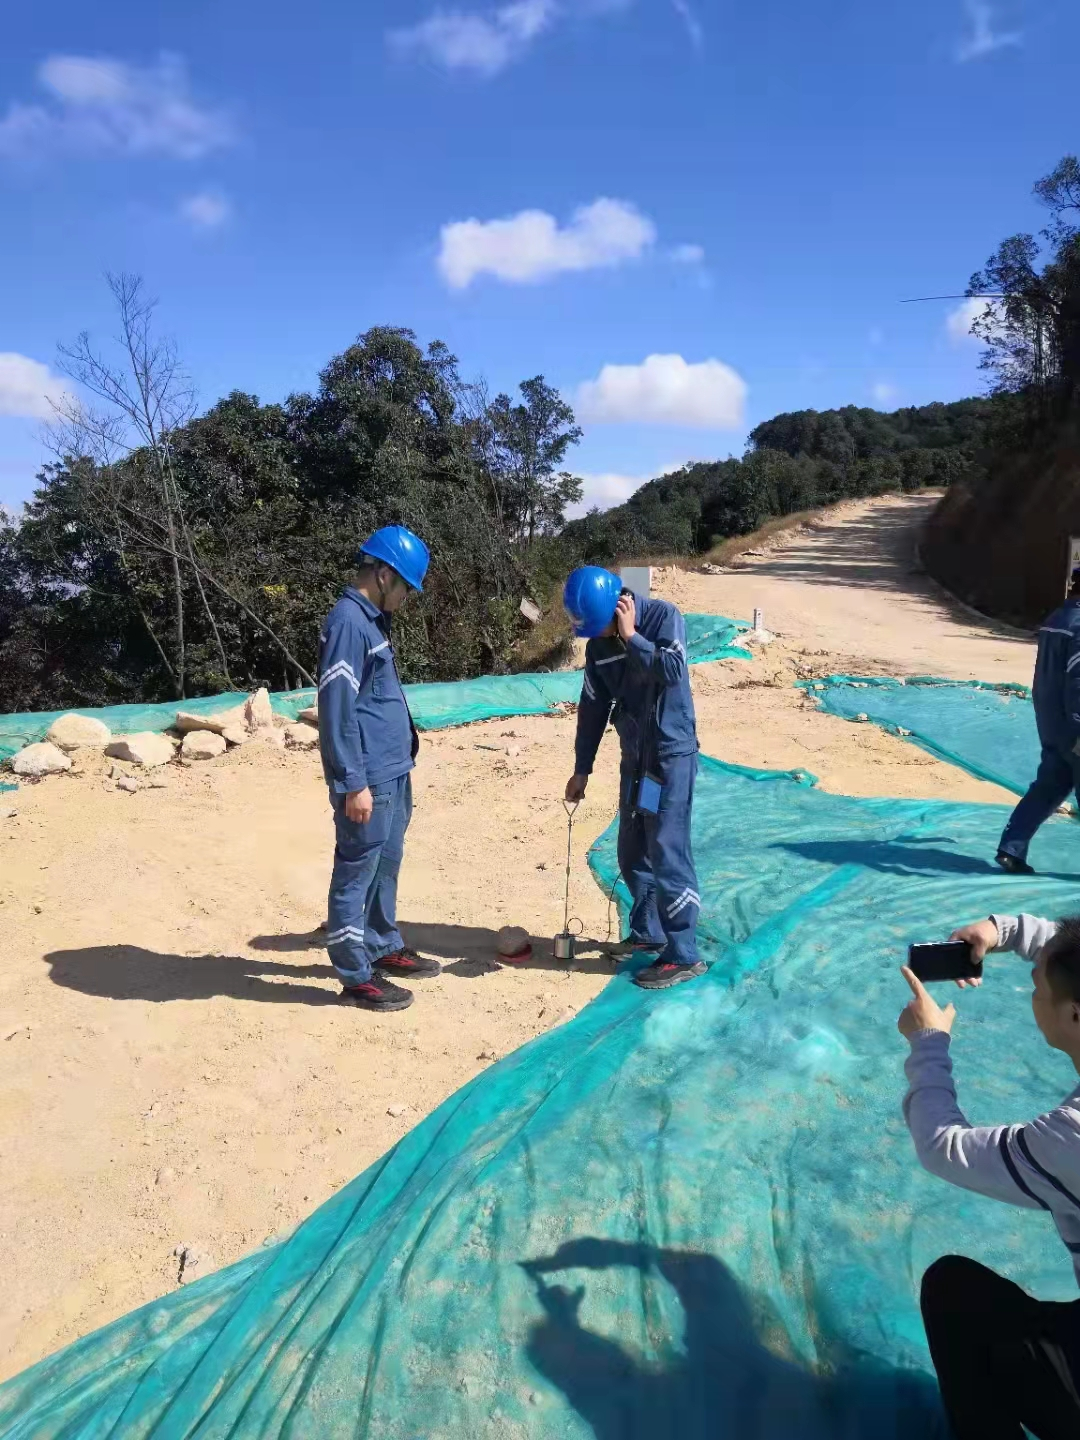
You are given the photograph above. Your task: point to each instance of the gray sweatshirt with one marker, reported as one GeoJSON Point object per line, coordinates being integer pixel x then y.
{"type": "Point", "coordinates": [1036, 1165]}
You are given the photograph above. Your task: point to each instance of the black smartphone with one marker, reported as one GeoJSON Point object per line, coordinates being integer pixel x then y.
{"type": "Point", "coordinates": [947, 960]}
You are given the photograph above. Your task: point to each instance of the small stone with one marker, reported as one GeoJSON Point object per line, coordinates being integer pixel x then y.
{"type": "Point", "coordinates": [41, 759]}
{"type": "Point", "coordinates": [301, 737]}
{"type": "Point", "coordinates": [79, 732]}
{"type": "Point", "coordinates": [128, 783]}
{"type": "Point", "coordinates": [901, 731]}
{"type": "Point", "coordinates": [396, 1111]}
{"type": "Point", "coordinates": [310, 716]}
{"type": "Point", "coordinates": [159, 782]}
{"type": "Point", "coordinates": [861, 718]}
{"type": "Point", "coordinates": [144, 749]}
{"type": "Point", "coordinates": [11, 814]}
{"type": "Point", "coordinates": [513, 751]}
{"type": "Point", "coordinates": [258, 712]}
{"type": "Point", "coordinates": [38, 909]}
{"type": "Point", "coordinates": [202, 745]}
{"type": "Point", "coordinates": [165, 1177]}
{"type": "Point", "coordinates": [487, 1055]}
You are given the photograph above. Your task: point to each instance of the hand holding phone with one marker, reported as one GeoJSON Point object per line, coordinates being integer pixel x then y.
{"type": "Point", "coordinates": [944, 960]}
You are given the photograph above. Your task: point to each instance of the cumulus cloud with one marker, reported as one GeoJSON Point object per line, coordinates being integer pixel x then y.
{"type": "Point", "coordinates": [100, 106]}
{"type": "Point", "coordinates": [208, 210]}
{"type": "Point", "coordinates": [532, 246]}
{"type": "Point", "coordinates": [665, 390]}
{"type": "Point", "coordinates": [982, 39]}
{"type": "Point", "coordinates": [484, 43]}
{"type": "Point", "coordinates": [28, 388]}
{"type": "Point", "coordinates": [959, 322]}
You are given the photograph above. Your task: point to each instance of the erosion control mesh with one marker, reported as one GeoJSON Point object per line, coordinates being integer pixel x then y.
{"type": "Point", "coordinates": [692, 1213]}
{"type": "Point", "coordinates": [434, 707]}
{"type": "Point", "coordinates": [988, 730]}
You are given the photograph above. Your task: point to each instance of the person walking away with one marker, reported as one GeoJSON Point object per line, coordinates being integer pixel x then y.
{"type": "Point", "coordinates": [635, 663]}
{"type": "Point", "coordinates": [1004, 1360]}
{"type": "Point", "coordinates": [369, 746]}
{"type": "Point", "coordinates": [1056, 694]}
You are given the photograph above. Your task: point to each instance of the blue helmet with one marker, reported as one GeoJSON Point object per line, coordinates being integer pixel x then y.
{"type": "Point", "coordinates": [402, 551]}
{"type": "Point", "coordinates": [590, 597]}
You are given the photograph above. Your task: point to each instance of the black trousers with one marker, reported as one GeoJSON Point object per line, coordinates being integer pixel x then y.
{"type": "Point", "coordinates": [1003, 1360]}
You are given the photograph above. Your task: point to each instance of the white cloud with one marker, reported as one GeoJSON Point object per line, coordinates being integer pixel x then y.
{"type": "Point", "coordinates": [602, 491]}
{"type": "Point", "coordinates": [688, 254]}
{"type": "Point", "coordinates": [531, 246]}
{"type": "Point", "coordinates": [665, 390]}
{"type": "Point", "coordinates": [28, 388]}
{"type": "Point", "coordinates": [484, 43]}
{"type": "Point", "coordinates": [959, 321]}
{"type": "Point", "coordinates": [983, 39]}
{"type": "Point", "coordinates": [208, 210]}
{"type": "Point", "coordinates": [98, 106]}
{"type": "Point", "coordinates": [885, 393]}
{"type": "Point", "coordinates": [693, 25]}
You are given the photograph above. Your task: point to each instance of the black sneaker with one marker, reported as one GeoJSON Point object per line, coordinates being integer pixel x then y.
{"type": "Point", "coordinates": [632, 946]}
{"type": "Point", "coordinates": [664, 974]}
{"type": "Point", "coordinates": [378, 993]}
{"type": "Point", "coordinates": [1012, 864]}
{"type": "Point", "coordinates": [408, 965]}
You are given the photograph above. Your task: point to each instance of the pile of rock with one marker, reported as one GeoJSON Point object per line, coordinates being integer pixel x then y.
{"type": "Point", "coordinates": [194, 737]}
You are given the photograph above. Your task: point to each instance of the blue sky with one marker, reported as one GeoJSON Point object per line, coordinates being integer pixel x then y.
{"type": "Point", "coordinates": [687, 214]}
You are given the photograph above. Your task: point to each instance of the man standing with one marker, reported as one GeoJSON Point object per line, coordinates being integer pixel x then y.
{"type": "Point", "coordinates": [636, 661]}
{"type": "Point", "coordinates": [1056, 693]}
{"type": "Point", "coordinates": [369, 746]}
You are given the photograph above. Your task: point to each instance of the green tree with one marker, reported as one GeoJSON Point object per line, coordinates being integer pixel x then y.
{"type": "Point", "coordinates": [529, 442]}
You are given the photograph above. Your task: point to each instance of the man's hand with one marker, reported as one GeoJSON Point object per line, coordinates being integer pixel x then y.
{"type": "Point", "coordinates": [575, 789]}
{"type": "Point", "coordinates": [983, 937]}
{"type": "Point", "coordinates": [358, 806]}
{"type": "Point", "coordinates": [624, 616]}
{"type": "Point", "coordinates": [923, 1012]}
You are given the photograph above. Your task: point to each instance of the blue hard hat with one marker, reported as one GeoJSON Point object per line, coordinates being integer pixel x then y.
{"type": "Point", "coordinates": [402, 551]}
{"type": "Point", "coordinates": [590, 597]}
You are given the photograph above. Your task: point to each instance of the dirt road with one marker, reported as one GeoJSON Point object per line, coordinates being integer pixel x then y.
{"type": "Point", "coordinates": [174, 1067]}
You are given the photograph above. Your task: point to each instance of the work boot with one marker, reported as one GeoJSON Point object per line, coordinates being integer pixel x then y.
{"type": "Point", "coordinates": [408, 965]}
{"type": "Point", "coordinates": [633, 946]}
{"type": "Point", "coordinates": [378, 993]}
{"type": "Point", "coordinates": [1012, 864]}
{"type": "Point", "coordinates": [665, 973]}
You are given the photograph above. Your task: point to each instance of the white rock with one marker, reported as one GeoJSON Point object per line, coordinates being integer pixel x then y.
{"type": "Point", "coordinates": [236, 734]}
{"type": "Point", "coordinates": [202, 745]}
{"type": "Point", "coordinates": [79, 732]}
{"type": "Point", "coordinates": [396, 1111]}
{"type": "Point", "coordinates": [310, 716]}
{"type": "Point", "coordinates": [128, 783]}
{"type": "Point", "coordinates": [258, 714]}
{"type": "Point", "coordinates": [301, 737]}
{"type": "Point", "coordinates": [144, 749]}
{"type": "Point", "coordinates": [219, 723]}
{"type": "Point", "coordinates": [41, 759]}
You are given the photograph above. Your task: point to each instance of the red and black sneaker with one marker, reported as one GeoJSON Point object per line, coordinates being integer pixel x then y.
{"type": "Point", "coordinates": [408, 965]}
{"type": "Point", "coordinates": [378, 993]}
{"type": "Point", "coordinates": [664, 974]}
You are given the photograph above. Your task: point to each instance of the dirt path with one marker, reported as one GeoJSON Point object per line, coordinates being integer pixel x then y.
{"type": "Point", "coordinates": [174, 1068]}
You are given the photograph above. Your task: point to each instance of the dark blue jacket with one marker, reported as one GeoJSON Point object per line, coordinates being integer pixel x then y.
{"type": "Point", "coordinates": [649, 672]}
{"type": "Point", "coordinates": [1056, 691]}
{"type": "Point", "coordinates": [366, 733]}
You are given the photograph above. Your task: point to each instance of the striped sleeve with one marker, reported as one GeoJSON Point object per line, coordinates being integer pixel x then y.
{"type": "Point", "coordinates": [341, 669]}
{"type": "Point", "coordinates": [1072, 683]}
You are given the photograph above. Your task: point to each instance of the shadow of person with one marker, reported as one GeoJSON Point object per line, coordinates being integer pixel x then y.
{"type": "Point", "coordinates": [725, 1385]}
{"type": "Point", "coordinates": [906, 855]}
{"type": "Point", "coordinates": [127, 972]}
{"type": "Point", "coordinates": [475, 950]}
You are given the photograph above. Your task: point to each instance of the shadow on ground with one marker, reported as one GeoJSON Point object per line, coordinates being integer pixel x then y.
{"type": "Point", "coordinates": [127, 972]}
{"type": "Point", "coordinates": [725, 1385]}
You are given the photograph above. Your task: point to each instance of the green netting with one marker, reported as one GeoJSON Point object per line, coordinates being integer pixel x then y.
{"type": "Point", "coordinates": [694, 1213]}
{"type": "Point", "coordinates": [709, 637]}
{"type": "Point", "coordinates": [988, 730]}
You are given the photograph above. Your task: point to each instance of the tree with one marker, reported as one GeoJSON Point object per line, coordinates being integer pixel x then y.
{"type": "Point", "coordinates": [529, 444]}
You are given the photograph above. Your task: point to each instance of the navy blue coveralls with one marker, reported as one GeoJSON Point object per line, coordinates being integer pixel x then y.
{"type": "Point", "coordinates": [1056, 693]}
{"type": "Point", "coordinates": [646, 677]}
{"type": "Point", "coordinates": [368, 741]}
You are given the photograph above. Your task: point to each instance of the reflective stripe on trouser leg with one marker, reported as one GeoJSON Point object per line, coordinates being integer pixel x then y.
{"type": "Point", "coordinates": [636, 868]}
{"type": "Point", "coordinates": [381, 935]}
{"type": "Point", "coordinates": [357, 858]}
{"type": "Point", "coordinates": [668, 834]}
{"type": "Point", "coordinates": [1055, 777]}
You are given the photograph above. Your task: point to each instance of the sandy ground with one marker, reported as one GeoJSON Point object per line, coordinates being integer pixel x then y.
{"type": "Point", "coordinates": [174, 1067]}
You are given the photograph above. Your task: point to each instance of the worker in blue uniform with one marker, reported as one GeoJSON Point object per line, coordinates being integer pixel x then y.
{"type": "Point", "coordinates": [635, 666]}
{"type": "Point", "coordinates": [1056, 695]}
{"type": "Point", "coordinates": [369, 746]}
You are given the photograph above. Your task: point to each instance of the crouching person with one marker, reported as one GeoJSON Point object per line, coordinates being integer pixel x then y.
{"type": "Point", "coordinates": [369, 746]}
{"type": "Point", "coordinates": [1004, 1360]}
